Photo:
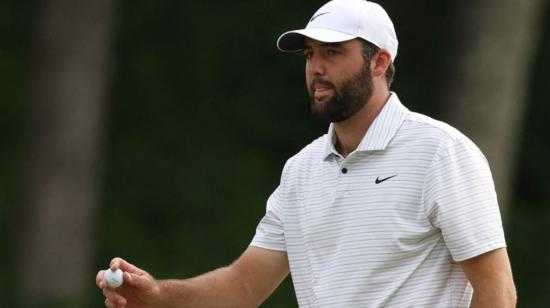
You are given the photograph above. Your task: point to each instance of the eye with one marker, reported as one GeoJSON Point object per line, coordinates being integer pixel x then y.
{"type": "Point", "coordinates": [331, 52]}
{"type": "Point", "coordinates": [308, 54]}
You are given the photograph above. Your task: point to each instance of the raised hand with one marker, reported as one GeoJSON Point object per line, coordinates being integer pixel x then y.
{"type": "Point", "coordinates": [138, 290]}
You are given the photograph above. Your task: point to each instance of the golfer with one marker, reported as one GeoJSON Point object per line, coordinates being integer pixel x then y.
{"type": "Point", "coordinates": [389, 208]}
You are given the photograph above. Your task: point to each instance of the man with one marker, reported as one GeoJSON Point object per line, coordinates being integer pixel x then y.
{"type": "Point", "coordinates": [389, 209]}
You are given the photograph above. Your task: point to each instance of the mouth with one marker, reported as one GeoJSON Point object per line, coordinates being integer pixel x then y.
{"type": "Point", "coordinates": [321, 89]}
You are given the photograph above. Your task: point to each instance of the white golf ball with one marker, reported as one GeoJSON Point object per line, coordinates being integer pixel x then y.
{"type": "Point", "coordinates": [113, 279]}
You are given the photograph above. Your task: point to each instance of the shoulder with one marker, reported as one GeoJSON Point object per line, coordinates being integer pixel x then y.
{"type": "Point", "coordinates": [438, 135]}
{"type": "Point", "coordinates": [312, 152]}
{"type": "Point", "coordinates": [422, 124]}
{"type": "Point", "coordinates": [296, 168]}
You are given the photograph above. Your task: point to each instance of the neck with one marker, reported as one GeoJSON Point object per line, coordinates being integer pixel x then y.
{"type": "Point", "coordinates": [351, 131]}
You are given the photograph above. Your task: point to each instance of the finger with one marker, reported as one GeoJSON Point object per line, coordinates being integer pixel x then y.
{"type": "Point", "coordinates": [113, 297]}
{"type": "Point", "coordinates": [125, 266]}
{"type": "Point", "coordinates": [100, 282]}
{"type": "Point", "coordinates": [110, 304]}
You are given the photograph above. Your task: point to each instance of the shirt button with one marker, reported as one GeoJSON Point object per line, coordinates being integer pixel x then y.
{"type": "Point", "coordinates": [344, 170]}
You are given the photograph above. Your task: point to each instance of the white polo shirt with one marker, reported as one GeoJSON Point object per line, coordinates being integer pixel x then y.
{"type": "Point", "coordinates": [384, 226]}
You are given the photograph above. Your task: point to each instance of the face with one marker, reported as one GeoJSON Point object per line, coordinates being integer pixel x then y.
{"type": "Point", "coordinates": [339, 81]}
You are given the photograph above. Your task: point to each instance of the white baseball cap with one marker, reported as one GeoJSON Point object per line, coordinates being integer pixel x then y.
{"type": "Point", "coordinates": [344, 20]}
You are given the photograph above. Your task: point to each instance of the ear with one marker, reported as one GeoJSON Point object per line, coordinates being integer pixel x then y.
{"type": "Point", "coordinates": [380, 63]}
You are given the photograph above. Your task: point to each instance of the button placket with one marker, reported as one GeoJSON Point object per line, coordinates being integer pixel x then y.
{"type": "Point", "coordinates": [338, 174]}
{"type": "Point", "coordinates": [344, 164]}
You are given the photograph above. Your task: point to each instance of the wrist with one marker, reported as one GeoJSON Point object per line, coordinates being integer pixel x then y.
{"type": "Point", "coordinates": [171, 293]}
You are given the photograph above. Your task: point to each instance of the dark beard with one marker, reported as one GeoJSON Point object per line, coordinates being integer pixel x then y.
{"type": "Point", "coordinates": [352, 95]}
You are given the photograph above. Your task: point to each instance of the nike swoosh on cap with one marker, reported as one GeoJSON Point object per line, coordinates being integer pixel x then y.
{"type": "Point", "coordinates": [314, 17]}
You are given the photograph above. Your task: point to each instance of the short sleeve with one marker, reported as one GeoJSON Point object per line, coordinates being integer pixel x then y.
{"type": "Point", "coordinates": [460, 199]}
{"type": "Point", "coordinates": [270, 232]}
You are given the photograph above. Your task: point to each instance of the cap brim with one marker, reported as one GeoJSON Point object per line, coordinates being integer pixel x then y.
{"type": "Point", "coordinates": [294, 40]}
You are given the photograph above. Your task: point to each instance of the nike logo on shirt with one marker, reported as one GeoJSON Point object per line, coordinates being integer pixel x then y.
{"type": "Point", "coordinates": [378, 180]}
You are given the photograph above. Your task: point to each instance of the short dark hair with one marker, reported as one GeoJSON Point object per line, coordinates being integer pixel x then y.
{"type": "Point", "coordinates": [369, 51]}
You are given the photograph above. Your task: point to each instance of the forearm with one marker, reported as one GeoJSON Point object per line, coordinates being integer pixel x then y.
{"type": "Point", "coordinates": [491, 277]}
{"type": "Point", "coordinates": [223, 287]}
{"type": "Point", "coordinates": [504, 297]}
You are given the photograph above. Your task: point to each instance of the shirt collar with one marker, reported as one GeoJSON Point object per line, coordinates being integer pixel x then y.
{"type": "Point", "coordinates": [381, 131]}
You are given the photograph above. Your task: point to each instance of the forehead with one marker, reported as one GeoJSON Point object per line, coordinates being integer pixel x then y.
{"type": "Point", "coordinates": [312, 43]}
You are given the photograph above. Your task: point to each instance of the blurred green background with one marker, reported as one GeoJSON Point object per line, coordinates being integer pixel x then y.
{"type": "Point", "coordinates": [156, 130]}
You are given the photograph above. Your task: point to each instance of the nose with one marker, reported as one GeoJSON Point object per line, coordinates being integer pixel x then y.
{"type": "Point", "coordinates": [315, 66]}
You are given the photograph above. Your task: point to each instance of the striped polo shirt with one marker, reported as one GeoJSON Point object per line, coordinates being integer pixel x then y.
{"type": "Point", "coordinates": [384, 226]}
